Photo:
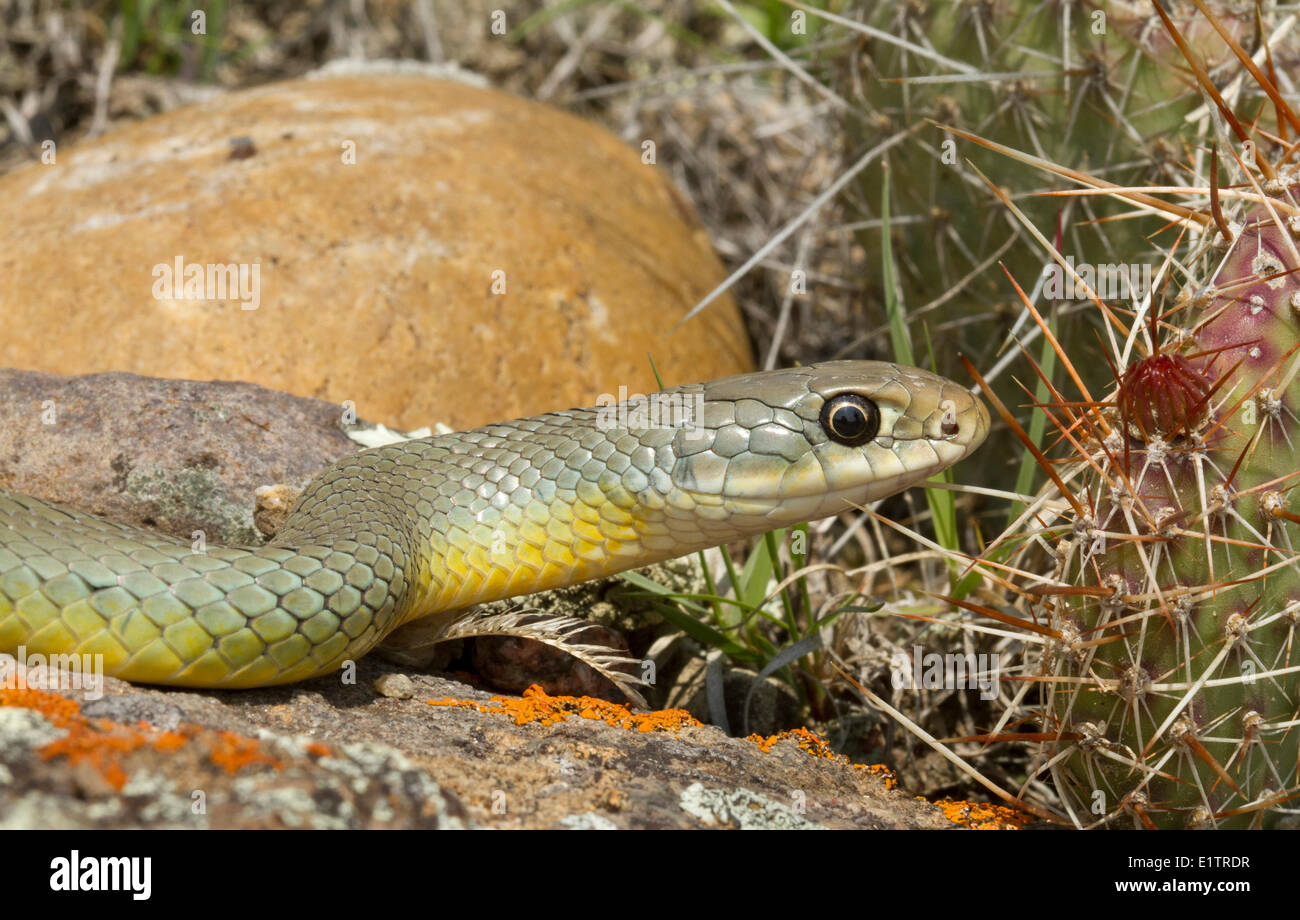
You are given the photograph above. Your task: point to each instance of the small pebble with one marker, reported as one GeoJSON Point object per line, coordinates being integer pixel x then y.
{"type": "Point", "coordinates": [241, 148]}
{"type": "Point", "coordinates": [395, 686]}
{"type": "Point", "coordinates": [272, 505]}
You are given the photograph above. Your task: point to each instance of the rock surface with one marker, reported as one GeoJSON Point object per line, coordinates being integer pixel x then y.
{"type": "Point", "coordinates": [379, 211]}
{"type": "Point", "coordinates": [175, 455]}
{"type": "Point", "coordinates": [330, 754]}
{"type": "Point", "coordinates": [111, 763]}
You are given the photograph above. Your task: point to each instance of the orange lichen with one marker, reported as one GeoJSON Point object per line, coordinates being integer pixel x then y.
{"type": "Point", "coordinates": [815, 745]}
{"type": "Point", "coordinates": [979, 816]}
{"type": "Point", "coordinates": [537, 705]}
{"type": "Point", "coordinates": [97, 742]}
{"type": "Point", "coordinates": [97, 747]}
{"type": "Point", "coordinates": [102, 743]}
{"type": "Point", "coordinates": [168, 741]}
{"type": "Point", "coordinates": [59, 710]}
{"type": "Point", "coordinates": [318, 749]}
{"type": "Point", "coordinates": [233, 752]}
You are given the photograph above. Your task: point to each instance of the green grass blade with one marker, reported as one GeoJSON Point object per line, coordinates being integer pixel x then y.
{"type": "Point", "coordinates": [1037, 422]}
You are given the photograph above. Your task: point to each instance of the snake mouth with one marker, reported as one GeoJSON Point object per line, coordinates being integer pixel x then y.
{"type": "Point", "coordinates": [972, 426]}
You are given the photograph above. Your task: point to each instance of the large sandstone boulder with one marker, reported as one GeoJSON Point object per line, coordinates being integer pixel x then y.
{"type": "Point", "coordinates": [428, 249]}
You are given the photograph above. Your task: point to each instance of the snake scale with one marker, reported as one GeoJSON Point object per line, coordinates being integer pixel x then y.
{"type": "Point", "coordinates": [429, 528]}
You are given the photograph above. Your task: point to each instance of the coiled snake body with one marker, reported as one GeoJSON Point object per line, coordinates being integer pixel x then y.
{"type": "Point", "coordinates": [428, 528]}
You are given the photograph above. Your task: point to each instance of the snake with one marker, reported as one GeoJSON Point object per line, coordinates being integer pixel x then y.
{"type": "Point", "coordinates": [424, 530]}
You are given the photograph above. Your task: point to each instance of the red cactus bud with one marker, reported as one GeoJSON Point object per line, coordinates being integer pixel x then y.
{"type": "Point", "coordinates": [1164, 395]}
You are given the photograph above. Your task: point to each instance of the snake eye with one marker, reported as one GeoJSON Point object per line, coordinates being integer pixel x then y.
{"type": "Point", "coordinates": [850, 419]}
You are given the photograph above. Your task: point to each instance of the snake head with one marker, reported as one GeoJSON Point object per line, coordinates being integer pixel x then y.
{"type": "Point", "coordinates": [808, 442]}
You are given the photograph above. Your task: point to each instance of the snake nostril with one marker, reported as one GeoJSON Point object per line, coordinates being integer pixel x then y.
{"type": "Point", "coordinates": [949, 426]}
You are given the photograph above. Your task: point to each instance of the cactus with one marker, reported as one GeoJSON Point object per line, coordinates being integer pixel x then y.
{"type": "Point", "coordinates": [1158, 574]}
{"type": "Point", "coordinates": [1086, 85]}
{"type": "Point", "coordinates": [1185, 688]}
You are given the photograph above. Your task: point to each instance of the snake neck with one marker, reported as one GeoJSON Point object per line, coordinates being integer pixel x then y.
{"type": "Point", "coordinates": [494, 513]}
